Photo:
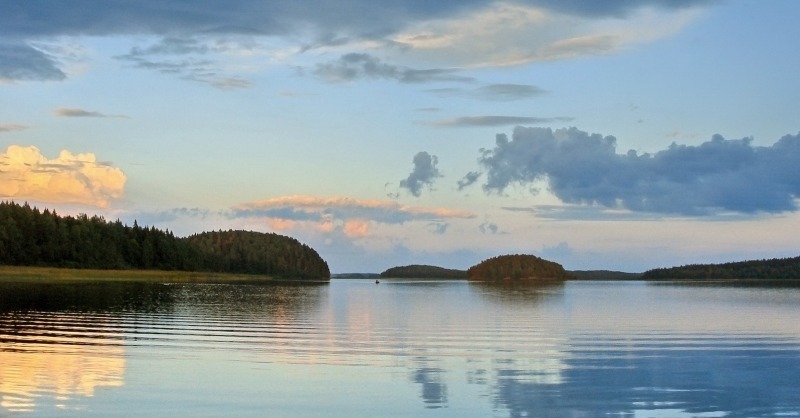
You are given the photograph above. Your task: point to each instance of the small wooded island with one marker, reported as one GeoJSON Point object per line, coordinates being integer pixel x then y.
{"type": "Point", "coordinates": [29, 237]}
{"type": "Point", "coordinates": [517, 267]}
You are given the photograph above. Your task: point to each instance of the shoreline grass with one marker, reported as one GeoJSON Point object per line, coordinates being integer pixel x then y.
{"type": "Point", "coordinates": [28, 273]}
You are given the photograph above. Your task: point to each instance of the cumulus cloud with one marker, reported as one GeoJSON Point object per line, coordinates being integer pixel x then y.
{"type": "Point", "coordinates": [11, 127]}
{"type": "Point", "coordinates": [717, 176]}
{"type": "Point", "coordinates": [424, 173]}
{"type": "Point", "coordinates": [471, 121]}
{"type": "Point", "coordinates": [80, 113]}
{"type": "Point", "coordinates": [359, 66]}
{"type": "Point", "coordinates": [69, 178]}
{"type": "Point", "coordinates": [492, 92]}
{"type": "Point", "coordinates": [353, 217]}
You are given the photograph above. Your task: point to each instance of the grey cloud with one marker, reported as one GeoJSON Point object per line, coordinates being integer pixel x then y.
{"type": "Point", "coordinates": [616, 8]}
{"type": "Point", "coordinates": [20, 61]}
{"type": "Point", "coordinates": [438, 228]}
{"type": "Point", "coordinates": [717, 176]}
{"type": "Point", "coordinates": [424, 173]}
{"type": "Point", "coordinates": [470, 121]}
{"type": "Point", "coordinates": [488, 228]}
{"type": "Point", "coordinates": [330, 23]}
{"type": "Point", "coordinates": [361, 18]}
{"type": "Point", "coordinates": [493, 92]}
{"type": "Point", "coordinates": [356, 66]}
{"type": "Point", "coordinates": [11, 127]}
{"type": "Point", "coordinates": [80, 113]}
{"type": "Point", "coordinates": [185, 58]}
{"type": "Point", "coordinates": [469, 179]}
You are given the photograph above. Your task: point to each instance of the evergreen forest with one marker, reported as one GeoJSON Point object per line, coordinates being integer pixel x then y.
{"type": "Point", "coordinates": [30, 237]}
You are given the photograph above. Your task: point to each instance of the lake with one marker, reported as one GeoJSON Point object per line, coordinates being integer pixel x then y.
{"type": "Point", "coordinates": [354, 348]}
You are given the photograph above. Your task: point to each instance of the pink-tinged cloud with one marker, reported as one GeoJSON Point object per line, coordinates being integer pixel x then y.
{"type": "Point", "coordinates": [356, 228]}
{"type": "Point", "coordinates": [69, 178]}
{"type": "Point", "coordinates": [277, 224]}
{"type": "Point", "coordinates": [332, 209]}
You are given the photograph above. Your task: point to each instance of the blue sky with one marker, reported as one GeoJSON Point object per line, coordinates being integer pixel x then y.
{"type": "Point", "coordinates": [599, 134]}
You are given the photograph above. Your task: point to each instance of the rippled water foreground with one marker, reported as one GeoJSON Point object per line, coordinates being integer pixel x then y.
{"type": "Point", "coordinates": [399, 348]}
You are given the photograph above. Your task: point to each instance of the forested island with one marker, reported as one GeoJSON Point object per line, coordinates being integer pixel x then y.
{"type": "Point", "coordinates": [772, 269]}
{"type": "Point", "coordinates": [420, 271]}
{"type": "Point", "coordinates": [517, 267]}
{"type": "Point", "coordinates": [30, 237]}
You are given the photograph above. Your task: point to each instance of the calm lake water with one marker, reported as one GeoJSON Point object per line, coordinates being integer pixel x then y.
{"type": "Point", "coordinates": [399, 348]}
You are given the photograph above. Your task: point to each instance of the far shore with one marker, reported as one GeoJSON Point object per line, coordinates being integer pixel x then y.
{"type": "Point", "coordinates": [10, 273]}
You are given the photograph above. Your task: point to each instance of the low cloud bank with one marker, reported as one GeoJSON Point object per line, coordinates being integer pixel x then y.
{"type": "Point", "coordinates": [717, 176]}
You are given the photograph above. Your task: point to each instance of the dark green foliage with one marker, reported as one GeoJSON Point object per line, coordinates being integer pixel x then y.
{"type": "Point", "coordinates": [29, 237]}
{"type": "Point", "coordinates": [417, 271]}
{"type": "Point", "coordinates": [258, 253]}
{"type": "Point", "coordinates": [517, 267]}
{"type": "Point", "coordinates": [776, 268]}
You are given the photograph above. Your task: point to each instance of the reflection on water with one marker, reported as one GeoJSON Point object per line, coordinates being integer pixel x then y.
{"type": "Point", "coordinates": [404, 348]}
{"type": "Point", "coordinates": [56, 358]}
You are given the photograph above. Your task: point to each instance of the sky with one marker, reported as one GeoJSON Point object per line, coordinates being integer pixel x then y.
{"type": "Point", "coordinates": [619, 135]}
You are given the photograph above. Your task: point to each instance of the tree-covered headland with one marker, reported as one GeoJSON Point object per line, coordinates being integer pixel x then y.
{"type": "Point", "coordinates": [517, 267]}
{"type": "Point", "coordinates": [30, 237]}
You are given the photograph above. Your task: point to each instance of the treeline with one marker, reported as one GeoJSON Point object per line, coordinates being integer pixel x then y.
{"type": "Point", "coordinates": [776, 268]}
{"type": "Point", "coordinates": [29, 237]}
{"type": "Point", "coordinates": [517, 267]}
{"type": "Point", "coordinates": [418, 271]}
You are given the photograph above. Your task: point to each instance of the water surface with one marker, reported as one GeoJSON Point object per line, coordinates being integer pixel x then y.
{"type": "Point", "coordinates": [398, 348]}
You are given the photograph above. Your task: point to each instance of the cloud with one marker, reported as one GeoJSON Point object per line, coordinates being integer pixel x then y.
{"type": "Point", "coordinates": [359, 66]}
{"type": "Point", "coordinates": [327, 209]}
{"type": "Point", "coordinates": [69, 178]}
{"type": "Point", "coordinates": [492, 92]}
{"type": "Point", "coordinates": [488, 228]}
{"type": "Point", "coordinates": [715, 177]}
{"type": "Point", "coordinates": [468, 179]}
{"type": "Point", "coordinates": [80, 113]}
{"type": "Point", "coordinates": [470, 121]}
{"type": "Point", "coordinates": [454, 34]}
{"type": "Point", "coordinates": [424, 173]}
{"type": "Point", "coordinates": [11, 127]}
{"type": "Point", "coordinates": [518, 33]}
{"type": "Point", "coordinates": [194, 59]}
{"type": "Point", "coordinates": [22, 62]}
{"type": "Point", "coordinates": [616, 8]}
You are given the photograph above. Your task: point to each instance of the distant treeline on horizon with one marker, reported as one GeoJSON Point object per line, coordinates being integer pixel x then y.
{"type": "Point", "coordinates": [29, 237]}
{"type": "Point", "coordinates": [772, 269]}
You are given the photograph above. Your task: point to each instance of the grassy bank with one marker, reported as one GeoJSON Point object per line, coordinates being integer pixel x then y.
{"type": "Point", "coordinates": [15, 273]}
